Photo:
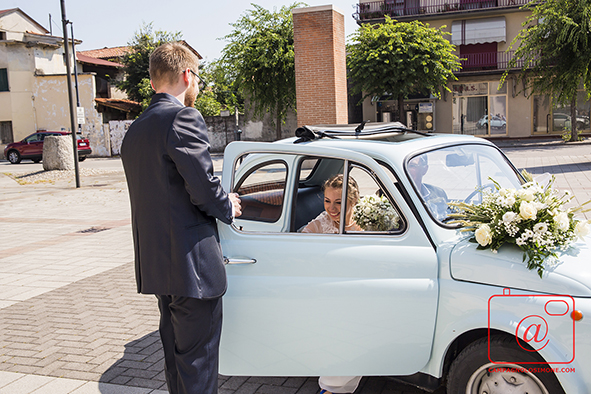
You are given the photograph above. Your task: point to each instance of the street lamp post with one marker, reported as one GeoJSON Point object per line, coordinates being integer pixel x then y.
{"type": "Point", "coordinates": [70, 95]}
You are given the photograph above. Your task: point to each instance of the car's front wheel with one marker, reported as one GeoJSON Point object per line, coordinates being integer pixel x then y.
{"type": "Point", "coordinates": [13, 157]}
{"type": "Point", "coordinates": [473, 373]}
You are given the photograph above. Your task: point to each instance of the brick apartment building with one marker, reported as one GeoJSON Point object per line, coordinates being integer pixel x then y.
{"type": "Point", "coordinates": [482, 31]}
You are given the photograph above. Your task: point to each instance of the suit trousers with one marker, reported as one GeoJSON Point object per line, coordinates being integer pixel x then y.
{"type": "Point", "coordinates": [190, 330]}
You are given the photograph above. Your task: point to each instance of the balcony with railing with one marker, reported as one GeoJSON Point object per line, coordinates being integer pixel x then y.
{"type": "Point", "coordinates": [405, 8]}
{"type": "Point", "coordinates": [487, 61]}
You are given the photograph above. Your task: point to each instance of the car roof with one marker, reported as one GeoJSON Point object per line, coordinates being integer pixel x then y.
{"type": "Point", "coordinates": [391, 140]}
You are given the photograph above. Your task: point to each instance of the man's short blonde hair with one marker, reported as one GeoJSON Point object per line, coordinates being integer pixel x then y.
{"type": "Point", "coordinates": [169, 60]}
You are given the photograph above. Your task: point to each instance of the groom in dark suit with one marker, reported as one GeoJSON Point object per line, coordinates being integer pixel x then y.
{"type": "Point", "coordinates": [175, 200]}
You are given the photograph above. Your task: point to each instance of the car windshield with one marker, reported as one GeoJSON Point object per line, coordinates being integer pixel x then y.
{"type": "Point", "coordinates": [458, 173]}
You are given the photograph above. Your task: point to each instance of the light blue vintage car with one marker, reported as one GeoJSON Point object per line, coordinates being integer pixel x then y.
{"type": "Point", "coordinates": [417, 301]}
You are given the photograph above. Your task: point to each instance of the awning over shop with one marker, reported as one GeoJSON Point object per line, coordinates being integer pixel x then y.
{"type": "Point", "coordinates": [478, 31]}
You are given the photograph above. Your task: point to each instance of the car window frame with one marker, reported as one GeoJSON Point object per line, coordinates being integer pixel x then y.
{"type": "Point", "coordinates": [403, 220]}
{"type": "Point", "coordinates": [255, 168]}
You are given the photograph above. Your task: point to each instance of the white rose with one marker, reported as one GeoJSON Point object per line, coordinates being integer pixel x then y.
{"type": "Point", "coordinates": [508, 217]}
{"type": "Point", "coordinates": [526, 194]}
{"type": "Point", "coordinates": [483, 235]}
{"type": "Point", "coordinates": [582, 229]}
{"type": "Point", "coordinates": [528, 211]}
{"type": "Point", "coordinates": [510, 201]}
{"type": "Point", "coordinates": [540, 228]}
{"type": "Point", "coordinates": [561, 220]}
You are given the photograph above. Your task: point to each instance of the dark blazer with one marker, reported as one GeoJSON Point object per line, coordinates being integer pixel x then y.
{"type": "Point", "coordinates": [174, 202]}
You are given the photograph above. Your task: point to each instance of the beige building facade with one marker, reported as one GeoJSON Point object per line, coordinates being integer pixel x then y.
{"type": "Point", "coordinates": [33, 85]}
{"type": "Point", "coordinates": [478, 104]}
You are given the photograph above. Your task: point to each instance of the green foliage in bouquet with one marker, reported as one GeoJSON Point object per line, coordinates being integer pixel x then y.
{"type": "Point", "coordinates": [375, 213]}
{"type": "Point", "coordinates": [534, 218]}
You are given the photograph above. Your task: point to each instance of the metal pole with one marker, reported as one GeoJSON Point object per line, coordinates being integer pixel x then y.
{"type": "Point", "coordinates": [75, 66]}
{"type": "Point", "coordinates": [50, 29]}
{"type": "Point", "coordinates": [70, 95]}
{"type": "Point", "coordinates": [79, 129]}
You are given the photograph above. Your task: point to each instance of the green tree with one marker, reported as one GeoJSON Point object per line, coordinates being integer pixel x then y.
{"type": "Point", "coordinates": [137, 62]}
{"type": "Point", "coordinates": [207, 104]}
{"type": "Point", "coordinates": [260, 57]}
{"type": "Point", "coordinates": [399, 59]}
{"type": "Point", "coordinates": [554, 51]}
{"type": "Point", "coordinates": [221, 91]}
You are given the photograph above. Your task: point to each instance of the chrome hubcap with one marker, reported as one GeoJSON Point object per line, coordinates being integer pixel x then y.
{"type": "Point", "coordinates": [504, 379]}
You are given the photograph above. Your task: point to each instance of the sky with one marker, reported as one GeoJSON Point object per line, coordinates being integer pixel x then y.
{"type": "Point", "coordinates": [111, 23]}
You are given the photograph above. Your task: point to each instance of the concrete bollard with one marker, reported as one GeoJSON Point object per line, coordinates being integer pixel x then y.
{"type": "Point", "coordinates": [58, 153]}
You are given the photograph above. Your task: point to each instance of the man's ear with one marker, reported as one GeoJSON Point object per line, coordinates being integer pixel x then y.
{"type": "Point", "coordinates": [186, 76]}
{"type": "Point", "coordinates": [152, 85]}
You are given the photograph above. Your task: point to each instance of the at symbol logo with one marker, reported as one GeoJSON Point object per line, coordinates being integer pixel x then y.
{"type": "Point", "coordinates": [535, 332]}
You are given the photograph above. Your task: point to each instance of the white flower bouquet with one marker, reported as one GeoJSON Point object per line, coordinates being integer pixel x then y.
{"type": "Point", "coordinates": [375, 213]}
{"type": "Point", "coordinates": [534, 218]}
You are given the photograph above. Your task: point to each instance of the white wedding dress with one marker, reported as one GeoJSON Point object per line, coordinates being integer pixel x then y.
{"type": "Point", "coordinates": [335, 384]}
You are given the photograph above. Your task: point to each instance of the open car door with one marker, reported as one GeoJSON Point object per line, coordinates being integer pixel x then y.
{"type": "Point", "coordinates": [320, 304]}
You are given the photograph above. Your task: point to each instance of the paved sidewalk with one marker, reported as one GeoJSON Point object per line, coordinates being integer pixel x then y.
{"type": "Point", "coordinates": [70, 318]}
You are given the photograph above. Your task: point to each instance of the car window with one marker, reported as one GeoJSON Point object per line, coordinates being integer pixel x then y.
{"type": "Point", "coordinates": [308, 167]}
{"type": "Point", "coordinates": [262, 192]}
{"type": "Point", "coordinates": [308, 200]}
{"type": "Point", "coordinates": [458, 174]}
{"type": "Point", "coordinates": [311, 206]}
{"type": "Point", "coordinates": [32, 138]}
{"type": "Point", "coordinates": [375, 211]}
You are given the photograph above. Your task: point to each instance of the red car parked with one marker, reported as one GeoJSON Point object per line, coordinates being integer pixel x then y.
{"type": "Point", "coordinates": [32, 147]}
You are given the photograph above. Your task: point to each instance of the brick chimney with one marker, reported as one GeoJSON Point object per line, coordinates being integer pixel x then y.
{"type": "Point", "coordinates": [320, 65]}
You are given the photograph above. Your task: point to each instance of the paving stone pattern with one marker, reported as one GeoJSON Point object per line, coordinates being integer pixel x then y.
{"type": "Point", "coordinates": [100, 329]}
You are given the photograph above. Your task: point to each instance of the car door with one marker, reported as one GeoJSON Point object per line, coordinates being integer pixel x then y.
{"type": "Point", "coordinates": [320, 304]}
{"type": "Point", "coordinates": [33, 146]}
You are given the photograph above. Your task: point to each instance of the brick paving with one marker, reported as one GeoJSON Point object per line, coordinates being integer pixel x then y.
{"type": "Point", "coordinates": [70, 318]}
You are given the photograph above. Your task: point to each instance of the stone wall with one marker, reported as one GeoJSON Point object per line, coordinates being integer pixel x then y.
{"type": "Point", "coordinates": [220, 131]}
{"type": "Point", "coordinates": [117, 130]}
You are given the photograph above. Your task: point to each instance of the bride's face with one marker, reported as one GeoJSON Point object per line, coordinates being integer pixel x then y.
{"type": "Point", "coordinates": [332, 203]}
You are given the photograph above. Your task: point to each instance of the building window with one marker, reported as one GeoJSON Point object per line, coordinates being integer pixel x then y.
{"type": "Point", "coordinates": [2, 35]}
{"type": "Point", "coordinates": [552, 118]}
{"type": "Point", "coordinates": [6, 136]}
{"type": "Point", "coordinates": [480, 108]}
{"type": "Point", "coordinates": [3, 80]}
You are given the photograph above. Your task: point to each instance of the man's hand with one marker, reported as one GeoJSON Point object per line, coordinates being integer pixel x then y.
{"type": "Point", "coordinates": [235, 200]}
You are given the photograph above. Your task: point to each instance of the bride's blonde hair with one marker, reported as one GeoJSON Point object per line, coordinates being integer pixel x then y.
{"type": "Point", "coordinates": [336, 182]}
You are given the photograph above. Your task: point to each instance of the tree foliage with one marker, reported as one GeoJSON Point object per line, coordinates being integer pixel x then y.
{"type": "Point", "coordinates": [554, 51]}
{"type": "Point", "coordinates": [400, 58]}
{"type": "Point", "coordinates": [137, 62]}
{"type": "Point", "coordinates": [260, 57]}
{"type": "Point", "coordinates": [221, 91]}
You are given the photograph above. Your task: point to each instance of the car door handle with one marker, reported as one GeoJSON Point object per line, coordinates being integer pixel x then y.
{"type": "Point", "coordinates": [233, 261]}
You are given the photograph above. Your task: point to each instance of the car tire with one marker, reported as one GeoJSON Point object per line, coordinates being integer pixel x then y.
{"type": "Point", "coordinates": [472, 372]}
{"type": "Point", "coordinates": [36, 160]}
{"type": "Point", "coordinates": [13, 157]}
{"type": "Point", "coordinates": [80, 158]}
